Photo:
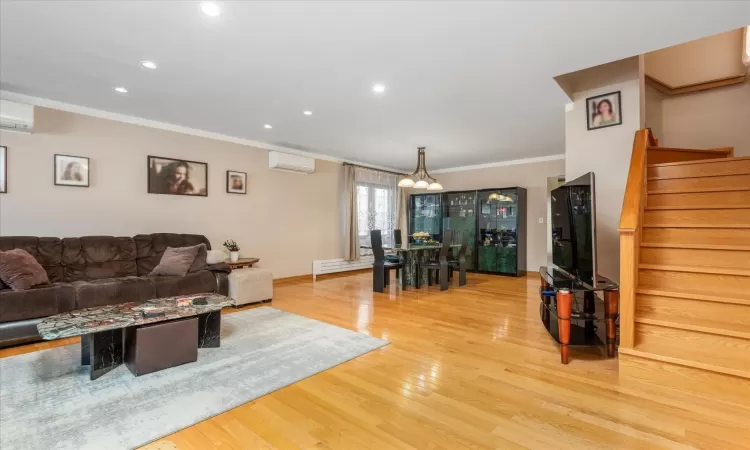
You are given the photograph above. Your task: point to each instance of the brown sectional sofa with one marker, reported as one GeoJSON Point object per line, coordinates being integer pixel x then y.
{"type": "Point", "coordinates": [95, 271]}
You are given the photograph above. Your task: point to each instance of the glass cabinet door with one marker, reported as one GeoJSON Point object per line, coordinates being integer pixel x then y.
{"type": "Point", "coordinates": [497, 245]}
{"type": "Point", "coordinates": [425, 215]}
{"type": "Point", "coordinates": [459, 215]}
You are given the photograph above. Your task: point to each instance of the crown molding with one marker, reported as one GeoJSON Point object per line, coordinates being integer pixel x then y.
{"type": "Point", "coordinates": [513, 162]}
{"type": "Point", "coordinates": [133, 120]}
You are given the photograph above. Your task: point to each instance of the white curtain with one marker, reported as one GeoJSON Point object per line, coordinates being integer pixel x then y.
{"type": "Point", "coordinates": [377, 204]}
{"type": "Point", "coordinates": [351, 235]}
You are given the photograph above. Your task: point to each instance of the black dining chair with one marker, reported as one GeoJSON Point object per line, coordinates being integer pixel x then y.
{"type": "Point", "coordinates": [395, 258]}
{"type": "Point", "coordinates": [381, 268]}
{"type": "Point", "coordinates": [460, 262]}
{"type": "Point", "coordinates": [440, 266]}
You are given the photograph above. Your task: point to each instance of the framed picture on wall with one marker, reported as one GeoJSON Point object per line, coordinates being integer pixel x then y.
{"type": "Point", "coordinates": [3, 169]}
{"type": "Point", "coordinates": [236, 182]}
{"type": "Point", "coordinates": [71, 171]}
{"type": "Point", "coordinates": [604, 111]}
{"type": "Point", "coordinates": [177, 177]}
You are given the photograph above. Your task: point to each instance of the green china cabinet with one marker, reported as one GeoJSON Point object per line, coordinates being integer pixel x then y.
{"type": "Point", "coordinates": [501, 231]}
{"type": "Point", "coordinates": [495, 220]}
{"type": "Point", "coordinates": [425, 215]}
{"type": "Point", "coordinates": [459, 215]}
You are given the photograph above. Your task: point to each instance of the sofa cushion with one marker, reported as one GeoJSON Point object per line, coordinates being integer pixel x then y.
{"type": "Point", "coordinates": [150, 247]}
{"type": "Point", "coordinates": [40, 301]}
{"type": "Point", "coordinates": [98, 257]}
{"type": "Point", "coordinates": [46, 250]}
{"type": "Point", "coordinates": [20, 271]}
{"type": "Point", "coordinates": [175, 262]}
{"type": "Point", "coordinates": [111, 291]}
{"type": "Point", "coordinates": [192, 283]}
{"type": "Point", "coordinates": [201, 259]}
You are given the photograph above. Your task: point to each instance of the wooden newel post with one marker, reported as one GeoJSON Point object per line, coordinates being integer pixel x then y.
{"type": "Point", "coordinates": [564, 309]}
{"type": "Point", "coordinates": [611, 309]}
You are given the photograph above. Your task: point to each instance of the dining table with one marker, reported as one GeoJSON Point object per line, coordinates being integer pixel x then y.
{"type": "Point", "coordinates": [411, 253]}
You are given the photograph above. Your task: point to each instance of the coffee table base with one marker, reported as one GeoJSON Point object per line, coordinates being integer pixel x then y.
{"type": "Point", "coordinates": [103, 351]}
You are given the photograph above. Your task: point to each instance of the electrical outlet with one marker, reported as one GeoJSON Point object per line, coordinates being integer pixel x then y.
{"type": "Point", "coordinates": [541, 220]}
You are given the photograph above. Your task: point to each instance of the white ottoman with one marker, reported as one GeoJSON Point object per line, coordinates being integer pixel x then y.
{"type": "Point", "coordinates": [251, 285]}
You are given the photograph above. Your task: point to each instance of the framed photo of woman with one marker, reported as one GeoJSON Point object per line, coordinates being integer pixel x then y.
{"type": "Point", "coordinates": [177, 177]}
{"type": "Point", "coordinates": [71, 171]}
{"type": "Point", "coordinates": [604, 111]}
{"type": "Point", "coordinates": [3, 169]}
{"type": "Point", "coordinates": [236, 182]}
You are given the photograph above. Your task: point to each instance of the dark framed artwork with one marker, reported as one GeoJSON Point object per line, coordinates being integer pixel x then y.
{"type": "Point", "coordinates": [236, 182]}
{"type": "Point", "coordinates": [3, 169]}
{"type": "Point", "coordinates": [71, 171]}
{"type": "Point", "coordinates": [177, 176]}
{"type": "Point", "coordinates": [603, 111]}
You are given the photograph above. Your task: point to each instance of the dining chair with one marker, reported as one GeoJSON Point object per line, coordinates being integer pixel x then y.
{"type": "Point", "coordinates": [395, 258]}
{"type": "Point", "coordinates": [397, 238]}
{"type": "Point", "coordinates": [440, 266]}
{"type": "Point", "coordinates": [460, 262]}
{"type": "Point", "coordinates": [380, 267]}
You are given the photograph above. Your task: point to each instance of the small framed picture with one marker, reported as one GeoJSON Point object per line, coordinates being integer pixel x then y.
{"type": "Point", "coordinates": [177, 177]}
{"type": "Point", "coordinates": [3, 169]}
{"type": "Point", "coordinates": [236, 182]}
{"type": "Point", "coordinates": [604, 111]}
{"type": "Point", "coordinates": [71, 171]}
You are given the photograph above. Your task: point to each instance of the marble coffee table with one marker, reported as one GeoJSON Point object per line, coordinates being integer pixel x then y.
{"type": "Point", "coordinates": [101, 328]}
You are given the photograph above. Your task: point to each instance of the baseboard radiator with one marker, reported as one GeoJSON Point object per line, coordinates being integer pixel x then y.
{"type": "Point", "coordinates": [324, 266]}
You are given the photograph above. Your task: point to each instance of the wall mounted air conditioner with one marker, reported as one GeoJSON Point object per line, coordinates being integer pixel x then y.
{"type": "Point", "coordinates": [290, 163]}
{"type": "Point", "coordinates": [16, 117]}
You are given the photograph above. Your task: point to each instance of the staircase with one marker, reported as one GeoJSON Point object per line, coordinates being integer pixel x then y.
{"type": "Point", "coordinates": [685, 273]}
{"type": "Point", "coordinates": [692, 302]}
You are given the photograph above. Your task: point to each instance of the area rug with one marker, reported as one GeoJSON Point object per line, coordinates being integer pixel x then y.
{"type": "Point", "coordinates": [47, 400]}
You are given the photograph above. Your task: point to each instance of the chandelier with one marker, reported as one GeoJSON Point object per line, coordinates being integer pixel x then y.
{"type": "Point", "coordinates": [424, 180]}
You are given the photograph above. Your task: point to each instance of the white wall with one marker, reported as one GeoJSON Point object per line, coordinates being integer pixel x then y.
{"type": "Point", "coordinates": [286, 219]}
{"type": "Point", "coordinates": [533, 177]}
{"type": "Point", "coordinates": [606, 152]}
{"type": "Point", "coordinates": [713, 118]}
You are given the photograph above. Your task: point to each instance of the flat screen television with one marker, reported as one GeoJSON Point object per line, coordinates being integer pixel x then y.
{"type": "Point", "coordinates": [573, 208]}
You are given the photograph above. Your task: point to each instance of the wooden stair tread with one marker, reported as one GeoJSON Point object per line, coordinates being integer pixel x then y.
{"type": "Point", "coordinates": [700, 325]}
{"type": "Point", "coordinates": [683, 362]}
{"type": "Point", "coordinates": [697, 269]}
{"type": "Point", "coordinates": [695, 295]}
{"type": "Point", "coordinates": [716, 206]}
{"type": "Point", "coordinates": [743, 248]}
{"type": "Point", "coordinates": [700, 161]}
{"type": "Point", "coordinates": [695, 225]}
{"type": "Point", "coordinates": [698, 190]}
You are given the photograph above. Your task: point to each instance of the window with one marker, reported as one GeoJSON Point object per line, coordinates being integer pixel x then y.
{"type": "Point", "coordinates": [377, 198]}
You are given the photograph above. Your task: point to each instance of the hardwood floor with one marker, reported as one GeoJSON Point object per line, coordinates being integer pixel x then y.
{"type": "Point", "coordinates": [470, 367]}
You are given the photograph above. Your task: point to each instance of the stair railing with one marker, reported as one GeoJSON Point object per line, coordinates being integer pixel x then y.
{"type": "Point", "coordinates": [631, 224]}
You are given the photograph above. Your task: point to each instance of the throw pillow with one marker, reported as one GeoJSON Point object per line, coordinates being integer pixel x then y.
{"type": "Point", "coordinates": [175, 261]}
{"type": "Point", "coordinates": [200, 259]}
{"type": "Point", "coordinates": [215, 257]}
{"type": "Point", "coordinates": [20, 270]}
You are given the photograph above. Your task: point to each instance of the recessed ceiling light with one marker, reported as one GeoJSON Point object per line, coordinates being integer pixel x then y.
{"type": "Point", "coordinates": [267, 126]}
{"type": "Point", "coordinates": [307, 113]}
{"type": "Point", "coordinates": [121, 90]}
{"type": "Point", "coordinates": [210, 9]}
{"type": "Point", "coordinates": [148, 64]}
{"type": "Point", "coordinates": [378, 88]}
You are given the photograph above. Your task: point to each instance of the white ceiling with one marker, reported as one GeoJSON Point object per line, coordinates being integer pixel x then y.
{"type": "Point", "coordinates": [472, 81]}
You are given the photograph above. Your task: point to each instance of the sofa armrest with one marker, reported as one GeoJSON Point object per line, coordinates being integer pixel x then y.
{"type": "Point", "coordinates": [222, 283]}
{"type": "Point", "coordinates": [220, 267]}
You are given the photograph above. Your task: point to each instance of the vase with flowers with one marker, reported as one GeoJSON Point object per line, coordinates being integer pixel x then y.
{"type": "Point", "coordinates": [234, 250]}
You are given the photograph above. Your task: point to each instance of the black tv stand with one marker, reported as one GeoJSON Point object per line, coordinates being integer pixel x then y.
{"type": "Point", "coordinates": [571, 310]}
